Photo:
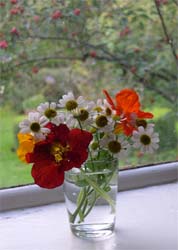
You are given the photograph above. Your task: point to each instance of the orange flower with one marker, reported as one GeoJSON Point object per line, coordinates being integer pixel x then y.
{"type": "Point", "coordinates": [127, 107]}
{"type": "Point", "coordinates": [26, 145]}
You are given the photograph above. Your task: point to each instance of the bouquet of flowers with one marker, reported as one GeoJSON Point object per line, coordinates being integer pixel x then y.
{"type": "Point", "coordinates": [58, 137]}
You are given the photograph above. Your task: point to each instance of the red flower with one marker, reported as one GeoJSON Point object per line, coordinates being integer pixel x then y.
{"type": "Point", "coordinates": [133, 69]}
{"type": "Point", "coordinates": [14, 11]}
{"type": "Point", "coordinates": [36, 19]}
{"type": "Point", "coordinates": [160, 2]}
{"type": "Point", "coordinates": [127, 106]}
{"type": "Point", "coordinates": [2, 4]}
{"type": "Point", "coordinates": [14, 31]}
{"type": "Point", "coordinates": [17, 10]}
{"type": "Point", "coordinates": [93, 53]}
{"type": "Point", "coordinates": [126, 31]}
{"type": "Point", "coordinates": [35, 70]}
{"type": "Point", "coordinates": [76, 12]}
{"type": "Point", "coordinates": [56, 14]}
{"type": "Point", "coordinates": [3, 44]}
{"type": "Point", "coordinates": [62, 150]}
{"type": "Point", "coordinates": [13, 1]}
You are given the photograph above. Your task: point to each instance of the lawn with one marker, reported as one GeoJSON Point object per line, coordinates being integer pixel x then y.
{"type": "Point", "coordinates": [12, 171]}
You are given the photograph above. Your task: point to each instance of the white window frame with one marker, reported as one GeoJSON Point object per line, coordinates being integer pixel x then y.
{"type": "Point", "coordinates": [32, 195]}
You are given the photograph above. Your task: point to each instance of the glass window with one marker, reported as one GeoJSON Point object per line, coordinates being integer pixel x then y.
{"type": "Point", "coordinates": [48, 49]}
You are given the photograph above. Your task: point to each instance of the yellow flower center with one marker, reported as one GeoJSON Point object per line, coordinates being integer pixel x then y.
{"type": "Point", "coordinates": [93, 130]}
{"type": "Point", "coordinates": [141, 122]}
{"type": "Point", "coordinates": [71, 104]}
{"type": "Point", "coordinates": [58, 151]}
{"type": "Point", "coordinates": [35, 127]}
{"type": "Point", "coordinates": [50, 113]}
{"type": "Point", "coordinates": [94, 145]}
{"type": "Point", "coordinates": [114, 147]}
{"type": "Point", "coordinates": [101, 121]}
{"type": "Point", "coordinates": [108, 111]}
{"type": "Point", "coordinates": [98, 109]}
{"type": "Point", "coordinates": [145, 139]}
{"type": "Point", "coordinates": [83, 116]}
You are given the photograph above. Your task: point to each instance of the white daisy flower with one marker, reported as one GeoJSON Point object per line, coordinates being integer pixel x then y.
{"type": "Point", "coordinates": [98, 106]}
{"type": "Point", "coordinates": [104, 123]}
{"type": "Point", "coordinates": [118, 147]}
{"type": "Point", "coordinates": [49, 111]}
{"type": "Point", "coordinates": [65, 118]}
{"type": "Point", "coordinates": [35, 125]}
{"type": "Point", "coordinates": [84, 114]}
{"type": "Point", "coordinates": [106, 139]}
{"type": "Point", "coordinates": [70, 102]}
{"type": "Point", "coordinates": [145, 139]}
{"type": "Point", "coordinates": [103, 107]}
{"type": "Point", "coordinates": [107, 108]}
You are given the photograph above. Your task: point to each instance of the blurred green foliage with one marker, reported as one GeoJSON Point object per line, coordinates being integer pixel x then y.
{"type": "Point", "coordinates": [109, 44]}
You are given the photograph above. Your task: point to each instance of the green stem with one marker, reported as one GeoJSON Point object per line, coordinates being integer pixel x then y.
{"type": "Point", "coordinates": [83, 201]}
{"type": "Point", "coordinates": [91, 206]}
{"type": "Point", "coordinates": [74, 215]}
{"type": "Point", "coordinates": [100, 191]}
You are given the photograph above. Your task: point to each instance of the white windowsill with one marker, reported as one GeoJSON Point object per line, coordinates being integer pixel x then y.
{"type": "Point", "coordinates": [32, 195]}
{"type": "Point", "coordinates": [146, 220]}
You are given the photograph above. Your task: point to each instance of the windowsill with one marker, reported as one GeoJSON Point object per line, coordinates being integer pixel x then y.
{"type": "Point", "coordinates": [146, 220]}
{"type": "Point", "coordinates": [32, 195]}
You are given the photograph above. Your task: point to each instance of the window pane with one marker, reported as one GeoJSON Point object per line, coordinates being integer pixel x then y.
{"type": "Point", "coordinates": [87, 47]}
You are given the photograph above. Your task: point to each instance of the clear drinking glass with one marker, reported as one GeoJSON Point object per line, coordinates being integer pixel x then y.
{"type": "Point", "coordinates": [91, 199]}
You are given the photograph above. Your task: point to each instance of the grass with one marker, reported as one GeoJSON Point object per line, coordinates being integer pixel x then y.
{"type": "Point", "coordinates": [12, 171]}
{"type": "Point", "coordinates": [159, 112]}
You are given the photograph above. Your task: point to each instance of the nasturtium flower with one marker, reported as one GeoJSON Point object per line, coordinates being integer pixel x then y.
{"type": "Point", "coordinates": [127, 106]}
{"type": "Point", "coordinates": [26, 145]}
{"type": "Point", "coordinates": [62, 150]}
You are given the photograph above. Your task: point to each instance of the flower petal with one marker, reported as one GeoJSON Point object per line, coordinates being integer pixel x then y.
{"type": "Point", "coordinates": [47, 174]}
{"type": "Point", "coordinates": [79, 139]}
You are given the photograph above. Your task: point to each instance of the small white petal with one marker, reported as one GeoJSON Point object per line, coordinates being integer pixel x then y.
{"type": "Point", "coordinates": [24, 123]}
{"type": "Point", "coordinates": [53, 105]}
{"type": "Point", "coordinates": [45, 130]}
{"type": "Point", "coordinates": [25, 130]}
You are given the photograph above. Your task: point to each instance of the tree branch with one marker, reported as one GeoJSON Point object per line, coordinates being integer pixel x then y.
{"type": "Point", "coordinates": [105, 56]}
{"type": "Point", "coordinates": [165, 30]}
{"type": "Point", "coordinates": [175, 1]}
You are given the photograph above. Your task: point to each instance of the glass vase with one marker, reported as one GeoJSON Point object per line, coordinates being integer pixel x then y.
{"type": "Point", "coordinates": [90, 195]}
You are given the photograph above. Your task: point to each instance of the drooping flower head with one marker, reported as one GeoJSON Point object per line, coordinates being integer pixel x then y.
{"type": "Point", "coordinates": [62, 150]}
{"type": "Point", "coordinates": [127, 106]}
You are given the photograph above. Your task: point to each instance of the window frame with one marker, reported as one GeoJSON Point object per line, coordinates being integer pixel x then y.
{"type": "Point", "coordinates": [31, 195]}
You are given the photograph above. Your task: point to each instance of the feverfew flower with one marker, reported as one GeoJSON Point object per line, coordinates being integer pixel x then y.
{"type": "Point", "coordinates": [102, 106]}
{"type": "Point", "coordinates": [84, 114]}
{"type": "Point", "coordinates": [49, 111]}
{"type": "Point", "coordinates": [35, 125]}
{"type": "Point", "coordinates": [117, 146]}
{"type": "Point", "coordinates": [145, 139]}
{"type": "Point", "coordinates": [103, 123]}
{"type": "Point", "coordinates": [70, 103]}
